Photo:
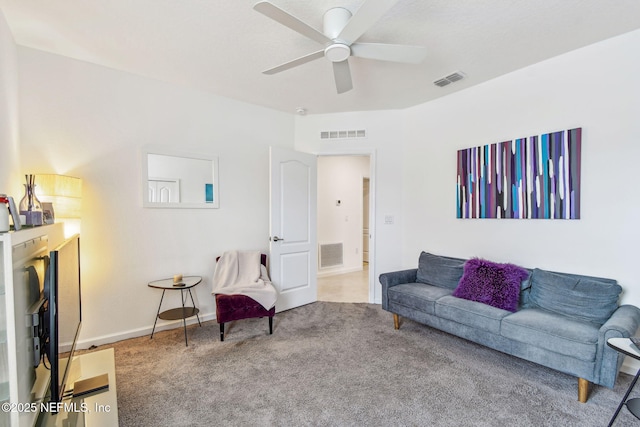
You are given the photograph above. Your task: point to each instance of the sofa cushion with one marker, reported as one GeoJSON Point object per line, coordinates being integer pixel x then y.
{"type": "Point", "coordinates": [470, 313]}
{"type": "Point", "coordinates": [580, 297]}
{"type": "Point", "coordinates": [418, 296]}
{"type": "Point", "coordinates": [491, 283]}
{"type": "Point", "coordinates": [441, 271]}
{"type": "Point", "coordinates": [552, 331]}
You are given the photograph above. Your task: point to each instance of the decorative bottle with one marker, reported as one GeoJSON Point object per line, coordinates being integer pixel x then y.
{"type": "Point", "coordinates": [30, 206]}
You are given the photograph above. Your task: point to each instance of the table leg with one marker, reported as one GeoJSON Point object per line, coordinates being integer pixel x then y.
{"type": "Point", "coordinates": [184, 318]}
{"type": "Point", "coordinates": [624, 399]}
{"type": "Point", "coordinates": [157, 314]}
{"type": "Point", "coordinates": [194, 306]}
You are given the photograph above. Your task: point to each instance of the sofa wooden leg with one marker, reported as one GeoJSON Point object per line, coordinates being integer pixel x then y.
{"type": "Point", "coordinates": [221, 331]}
{"type": "Point", "coordinates": [270, 325]}
{"type": "Point", "coordinates": [583, 390]}
{"type": "Point", "coordinates": [396, 321]}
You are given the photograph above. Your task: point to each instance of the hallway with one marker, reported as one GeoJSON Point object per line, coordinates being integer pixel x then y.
{"type": "Point", "coordinates": [348, 287]}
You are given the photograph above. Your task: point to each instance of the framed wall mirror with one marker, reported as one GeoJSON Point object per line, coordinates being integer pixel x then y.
{"type": "Point", "coordinates": [175, 179]}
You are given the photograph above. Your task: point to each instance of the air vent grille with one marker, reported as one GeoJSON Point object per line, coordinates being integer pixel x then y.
{"type": "Point", "coordinates": [343, 134]}
{"type": "Point", "coordinates": [330, 255]}
{"type": "Point", "coordinates": [451, 78]}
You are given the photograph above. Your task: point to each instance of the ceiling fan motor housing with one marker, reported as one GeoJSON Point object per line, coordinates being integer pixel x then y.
{"type": "Point", "coordinates": [334, 21]}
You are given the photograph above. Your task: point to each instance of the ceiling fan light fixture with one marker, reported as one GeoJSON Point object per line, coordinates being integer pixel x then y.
{"type": "Point", "coordinates": [337, 52]}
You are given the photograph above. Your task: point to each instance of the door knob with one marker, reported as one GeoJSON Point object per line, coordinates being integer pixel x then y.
{"type": "Point", "coordinates": [276, 239]}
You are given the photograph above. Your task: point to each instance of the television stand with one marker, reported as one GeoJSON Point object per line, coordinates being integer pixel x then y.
{"type": "Point", "coordinates": [91, 385]}
{"type": "Point", "coordinates": [98, 408]}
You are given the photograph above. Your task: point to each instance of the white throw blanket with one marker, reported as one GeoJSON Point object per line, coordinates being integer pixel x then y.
{"type": "Point", "coordinates": [240, 272]}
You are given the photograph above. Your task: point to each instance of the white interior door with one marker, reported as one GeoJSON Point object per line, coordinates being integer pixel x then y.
{"type": "Point", "coordinates": [164, 190]}
{"type": "Point", "coordinates": [293, 240]}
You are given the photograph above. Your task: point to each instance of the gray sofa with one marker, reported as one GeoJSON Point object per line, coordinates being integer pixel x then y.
{"type": "Point", "coordinates": [562, 320]}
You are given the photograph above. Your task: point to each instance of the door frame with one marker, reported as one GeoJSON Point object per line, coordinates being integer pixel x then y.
{"type": "Point", "coordinates": [371, 153]}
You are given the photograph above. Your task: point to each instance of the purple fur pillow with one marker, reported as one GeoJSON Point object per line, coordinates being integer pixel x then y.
{"type": "Point", "coordinates": [491, 283]}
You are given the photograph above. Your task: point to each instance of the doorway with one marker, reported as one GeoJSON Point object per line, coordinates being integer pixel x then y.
{"type": "Point", "coordinates": [344, 210]}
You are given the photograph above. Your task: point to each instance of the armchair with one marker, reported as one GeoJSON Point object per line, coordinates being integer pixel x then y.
{"type": "Point", "coordinates": [238, 307]}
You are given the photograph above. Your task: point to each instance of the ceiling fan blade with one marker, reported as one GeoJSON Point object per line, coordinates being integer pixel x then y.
{"type": "Point", "coordinates": [279, 15]}
{"type": "Point", "coordinates": [342, 74]}
{"type": "Point", "coordinates": [299, 61]}
{"type": "Point", "coordinates": [368, 14]}
{"type": "Point", "coordinates": [390, 52]}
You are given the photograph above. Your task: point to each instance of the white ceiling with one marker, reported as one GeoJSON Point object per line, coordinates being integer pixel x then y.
{"type": "Point", "coordinates": [223, 46]}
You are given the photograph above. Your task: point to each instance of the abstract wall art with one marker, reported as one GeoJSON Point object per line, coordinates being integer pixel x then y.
{"type": "Point", "coordinates": [208, 193]}
{"type": "Point", "coordinates": [534, 177]}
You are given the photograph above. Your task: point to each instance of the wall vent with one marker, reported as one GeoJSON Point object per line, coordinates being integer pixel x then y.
{"type": "Point", "coordinates": [330, 255]}
{"type": "Point", "coordinates": [343, 134]}
{"type": "Point", "coordinates": [451, 78]}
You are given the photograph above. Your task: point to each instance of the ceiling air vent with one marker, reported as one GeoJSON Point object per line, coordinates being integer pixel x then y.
{"type": "Point", "coordinates": [343, 134]}
{"type": "Point", "coordinates": [451, 78]}
{"type": "Point", "coordinates": [441, 82]}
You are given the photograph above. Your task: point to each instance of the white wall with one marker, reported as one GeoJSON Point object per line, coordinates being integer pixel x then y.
{"type": "Point", "coordinates": [596, 88]}
{"type": "Point", "coordinates": [384, 144]}
{"type": "Point", "coordinates": [9, 149]}
{"type": "Point", "coordinates": [340, 178]}
{"type": "Point", "coordinates": [89, 121]}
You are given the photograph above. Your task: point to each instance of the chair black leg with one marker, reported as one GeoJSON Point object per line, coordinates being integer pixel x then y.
{"type": "Point", "coordinates": [221, 331]}
{"type": "Point", "coordinates": [270, 325]}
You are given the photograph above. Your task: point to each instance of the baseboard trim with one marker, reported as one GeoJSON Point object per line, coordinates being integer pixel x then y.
{"type": "Point", "coordinates": [630, 366]}
{"type": "Point", "coordinates": [340, 271]}
{"type": "Point", "coordinates": [140, 332]}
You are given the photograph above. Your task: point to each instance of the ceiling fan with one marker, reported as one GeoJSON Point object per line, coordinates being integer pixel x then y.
{"type": "Point", "coordinates": [341, 30]}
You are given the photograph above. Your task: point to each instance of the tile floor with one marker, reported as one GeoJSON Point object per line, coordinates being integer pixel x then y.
{"type": "Point", "coordinates": [348, 287]}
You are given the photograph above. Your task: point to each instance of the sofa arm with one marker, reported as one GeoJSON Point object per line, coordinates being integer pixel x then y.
{"type": "Point", "coordinates": [394, 278]}
{"type": "Point", "coordinates": [623, 323]}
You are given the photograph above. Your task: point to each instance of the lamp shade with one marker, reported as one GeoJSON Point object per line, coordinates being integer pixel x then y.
{"type": "Point", "coordinates": [65, 194]}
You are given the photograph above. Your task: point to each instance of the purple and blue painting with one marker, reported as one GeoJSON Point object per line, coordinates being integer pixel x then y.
{"type": "Point", "coordinates": [535, 177]}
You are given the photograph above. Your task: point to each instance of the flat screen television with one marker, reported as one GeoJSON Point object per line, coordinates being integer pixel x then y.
{"type": "Point", "coordinates": [63, 319]}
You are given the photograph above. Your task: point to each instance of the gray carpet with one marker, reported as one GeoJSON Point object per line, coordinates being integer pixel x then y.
{"type": "Point", "coordinates": [336, 364]}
